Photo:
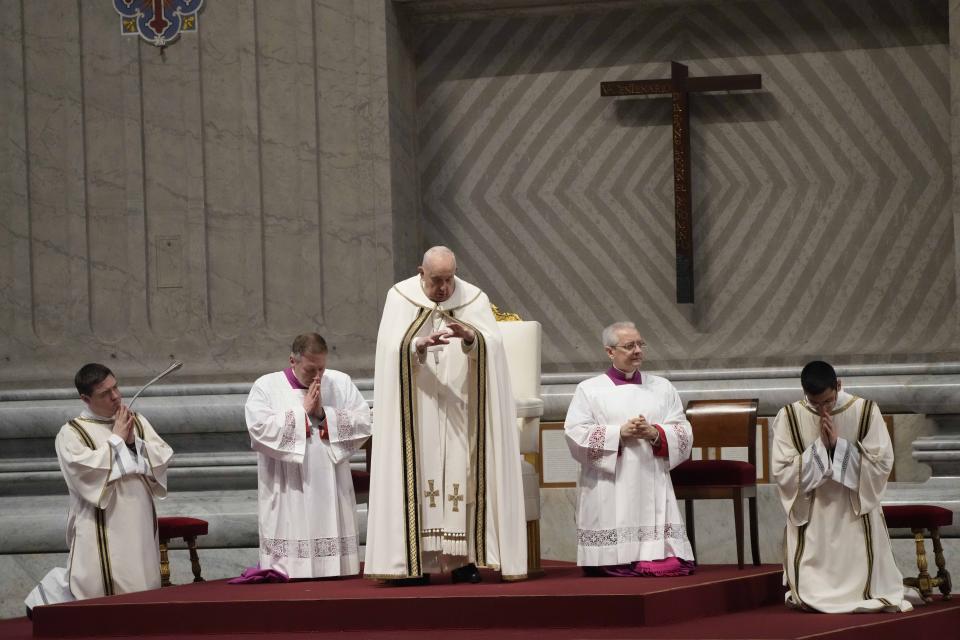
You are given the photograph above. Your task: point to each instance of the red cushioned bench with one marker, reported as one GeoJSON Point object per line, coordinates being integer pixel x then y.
{"type": "Point", "coordinates": [170, 527]}
{"type": "Point", "coordinates": [918, 517]}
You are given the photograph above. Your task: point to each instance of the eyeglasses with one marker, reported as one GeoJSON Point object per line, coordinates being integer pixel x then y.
{"type": "Point", "coordinates": [823, 405]}
{"type": "Point", "coordinates": [632, 346]}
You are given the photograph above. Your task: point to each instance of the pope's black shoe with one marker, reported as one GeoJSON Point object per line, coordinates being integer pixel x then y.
{"type": "Point", "coordinates": [410, 582]}
{"type": "Point", "coordinates": [467, 573]}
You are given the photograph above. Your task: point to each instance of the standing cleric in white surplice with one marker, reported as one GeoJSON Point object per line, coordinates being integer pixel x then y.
{"type": "Point", "coordinates": [627, 430]}
{"type": "Point", "coordinates": [114, 464]}
{"type": "Point", "coordinates": [831, 459]}
{"type": "Point", "coordinates": [305, 422]}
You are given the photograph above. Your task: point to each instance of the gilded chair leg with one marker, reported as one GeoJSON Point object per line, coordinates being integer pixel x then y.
{"type": "Point", "coordinates": [164, 565]}
{"type": "Point", "coordinates": [754, 531]}
{"type": "Point", "coordinates": [533, 548]}
{"type": "Point", "coordinates": [943, 576]}
{"type": "Point", "coordinates": [194, 558]}
{"type": "Point", "coordinates": [691, 530]}
{"type": "Point", "coordinates": [924, 584]}
{"type": "Point", "coordinates": [738, 523]}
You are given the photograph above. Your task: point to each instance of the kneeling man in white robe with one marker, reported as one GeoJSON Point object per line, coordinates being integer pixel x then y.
{"type": "Point", "coordinates": [628, 430]}
{"type": "Point", "coordinates": [114, 465]}
{"type": "Point", "coordinates": [305, 422]}
{"type": "Point", "coordinates": [831, 459]}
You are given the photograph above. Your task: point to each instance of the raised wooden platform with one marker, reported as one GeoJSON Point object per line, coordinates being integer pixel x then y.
{"type": "Point", "coordinates": [716, 602]}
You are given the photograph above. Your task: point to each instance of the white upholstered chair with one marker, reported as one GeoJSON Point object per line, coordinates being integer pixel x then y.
{"type": "Point", "coordinates": [521, 340]}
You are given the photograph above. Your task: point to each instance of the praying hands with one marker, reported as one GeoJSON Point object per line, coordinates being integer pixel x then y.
{"type": "Point", "coordinates": [828, 432]}
{"type": "Point", "coordinates": [312, 402]}
{"type": "Point", "coordinates": [638, 428]}
{"type": "Point", "coordinates": [123, 424]}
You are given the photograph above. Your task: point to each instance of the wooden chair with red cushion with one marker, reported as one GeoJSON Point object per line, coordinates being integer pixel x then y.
{"type": "Point", "coordinates": [718, 424]}
{"type": "Point", "coordinates": [170, 527]}
{"type": "Point", "coordinates": [918, 517]}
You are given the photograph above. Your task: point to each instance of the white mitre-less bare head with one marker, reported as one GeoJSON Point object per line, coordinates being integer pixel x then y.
{"type": "Point", "coordinates": [437, 273]}
{"type": "Point", "coordinates": [610, 337]}
{"type": "Point", "coordinates": [439, 254]}
{"type": "Point", "coordinates": [624, 346]}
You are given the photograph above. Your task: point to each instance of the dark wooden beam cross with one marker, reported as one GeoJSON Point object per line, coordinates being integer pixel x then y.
{"type": "Point", "coordinates": [680, 86]}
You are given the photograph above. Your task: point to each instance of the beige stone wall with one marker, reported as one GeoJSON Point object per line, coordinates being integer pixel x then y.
{"type": "Point", "coordinates": [823, 221]}
{"type": "Point", "coordinates": [206, 202]}
{"type": "Point", "coordinates": [265, 175]}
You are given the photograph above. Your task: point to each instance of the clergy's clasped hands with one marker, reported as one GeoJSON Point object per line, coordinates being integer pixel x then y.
{"type": "Point", "coordinates": [312, 402]}
{"type": "Point", "coordinates": [123, 424]}
{"type": "Point", "coordinates": [639, 429]}
{"type": "Point", "coordinates": [828, 431]}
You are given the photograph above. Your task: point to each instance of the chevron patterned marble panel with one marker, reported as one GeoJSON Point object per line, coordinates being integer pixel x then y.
{"type": "Point", "coordinates": [822, 203]}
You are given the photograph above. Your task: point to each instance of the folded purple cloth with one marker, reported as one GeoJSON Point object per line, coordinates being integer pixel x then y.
{"type": "Point", "coordinates": [252, 575]}
{"type": "Point", "coordinates": [655, 568]}
{"type": "Point", "coordinates": [667, 567]}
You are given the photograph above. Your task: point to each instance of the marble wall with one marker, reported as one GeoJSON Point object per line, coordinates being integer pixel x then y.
{"type": "Point", "coordinates": [823, 209]}
{"type": "Point", "coordinates": [207, 201]}
{"type": "Point", "coordinates": [278, 169]}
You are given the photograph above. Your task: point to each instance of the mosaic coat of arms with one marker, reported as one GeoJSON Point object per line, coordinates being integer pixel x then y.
{"type": "Point", "coordinates": [159, 22]}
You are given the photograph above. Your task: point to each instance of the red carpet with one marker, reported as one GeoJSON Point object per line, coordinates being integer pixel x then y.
{"type": "Point", "coordinates": [716, 602]}
{"type": "Point", "coordinates": [563, 598]}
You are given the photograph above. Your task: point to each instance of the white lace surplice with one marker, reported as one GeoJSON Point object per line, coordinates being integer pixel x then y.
{"type": "Point", "coordinates": [626, 508]}
{"type": "Point", "coordinates": [307, 518]}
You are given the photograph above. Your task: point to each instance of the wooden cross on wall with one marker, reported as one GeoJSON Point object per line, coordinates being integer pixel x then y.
{"type": "Point", "coordinates": [680, 86]}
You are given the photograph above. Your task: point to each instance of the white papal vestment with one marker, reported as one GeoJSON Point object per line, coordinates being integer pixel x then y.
{"type": "Point", "coordinates": [445, 486]}
{"type": "Point", "coordinates": [837, 555]}
{"type": "Point", "coordinates": [307, 507]}
{"type": "Point", "coordinates": [626, 508]}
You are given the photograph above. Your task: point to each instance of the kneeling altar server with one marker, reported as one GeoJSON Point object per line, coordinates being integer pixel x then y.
{"type": "Point", "coordinates": [114, 465]}
{"type": "Point", "coordinates": [831, 459]}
